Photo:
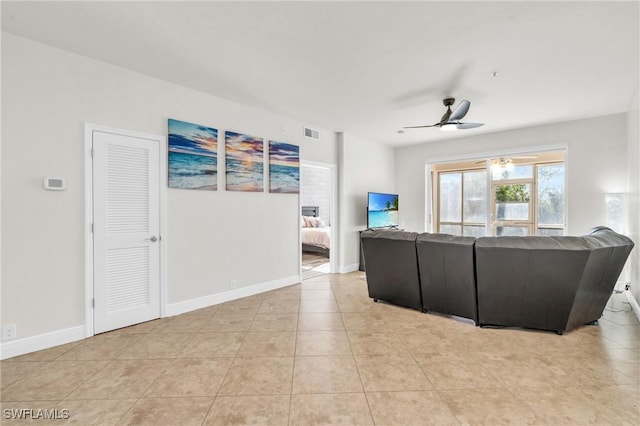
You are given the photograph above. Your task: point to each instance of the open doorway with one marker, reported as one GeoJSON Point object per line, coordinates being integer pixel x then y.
{"type": "Point", "coordinates": [318, 219]}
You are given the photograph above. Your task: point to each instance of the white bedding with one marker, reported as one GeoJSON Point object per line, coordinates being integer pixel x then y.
{"type": "Point", "coordinates": [317, 236]}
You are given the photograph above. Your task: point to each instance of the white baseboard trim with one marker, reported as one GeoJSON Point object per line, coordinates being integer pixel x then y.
{"type": "Point", "coordinates": [345, 269]}
{"type": "Point", "coordinates": [226, 296]}
{"type": "Point", "coordinates": [634, 304]}
{"type": "Point", "coordinates": [26, 345]}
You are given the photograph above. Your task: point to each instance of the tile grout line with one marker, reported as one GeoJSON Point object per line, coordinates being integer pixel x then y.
{"type": "Point", "coordinates": [295, 350]}
{"type": "Point", "coordinates": [355, 362]}
{"type": "Point", "coordinates": [215, 397]}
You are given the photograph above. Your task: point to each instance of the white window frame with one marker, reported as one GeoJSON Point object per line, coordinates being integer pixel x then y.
{"type": "Point", "coordinates": [430, 217]}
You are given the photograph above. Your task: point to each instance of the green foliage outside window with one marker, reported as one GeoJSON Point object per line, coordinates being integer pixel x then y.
{"type": "Point", "coordinates": [517, 193]}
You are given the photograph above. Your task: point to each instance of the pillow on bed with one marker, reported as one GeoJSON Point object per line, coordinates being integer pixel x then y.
{"type": "Point", "coordinates": [307, 221]}
{"type": "Point", "coordinates": [315, 222]}
{"type": "Point", "coordinates": [303, 222]}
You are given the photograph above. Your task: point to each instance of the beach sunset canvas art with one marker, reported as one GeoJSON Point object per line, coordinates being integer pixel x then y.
{"type": "Point", "coordinates": [245, 162]}
{"type": "Point", "coordinates": [193, 156]}
{"type": "Point", "coordinates": [284, 168]}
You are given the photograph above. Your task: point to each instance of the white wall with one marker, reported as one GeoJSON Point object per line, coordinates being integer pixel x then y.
{"type": "Point", "coordinates": [633, 192]}
{"type": "Point", "coordinates": [596, 165]}
{"type": "Point", "coordinates": [365, 166]}
{"type": "Point", "coordinates": [212, 237]}
{"type": "Point", "coordinates": [316, 189]}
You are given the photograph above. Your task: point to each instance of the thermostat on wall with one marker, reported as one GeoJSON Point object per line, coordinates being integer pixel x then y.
{"type": "Point", "coordinates": [54, 184]}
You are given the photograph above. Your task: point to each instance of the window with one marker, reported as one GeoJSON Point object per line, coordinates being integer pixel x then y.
{"type": "Point", "coordinates": [463, 202]}
{"type": "Point", "coordinates": [550, 199]}
{"type": "Point", "coordinates": [501, 196]}
{"type": "Point", "coordinates": [512, 205]}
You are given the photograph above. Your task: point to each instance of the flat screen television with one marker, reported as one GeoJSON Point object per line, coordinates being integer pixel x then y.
{"type": "Point", "coordinates": [382, 210]}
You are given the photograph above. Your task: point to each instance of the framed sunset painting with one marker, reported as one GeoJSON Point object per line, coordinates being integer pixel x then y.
{"type": "Point", "coordinates": [193, 156]}
{"type": "Point", "coordinates": [284, 168]}
{"type": "Point", "coordinates": [245, 162]}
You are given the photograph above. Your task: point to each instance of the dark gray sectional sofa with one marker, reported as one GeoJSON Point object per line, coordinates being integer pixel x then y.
{"type": "Point", "coordinates": [545, 283]}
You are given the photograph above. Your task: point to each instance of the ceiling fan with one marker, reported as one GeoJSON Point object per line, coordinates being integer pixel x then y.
{"type": "Point", "coordinates": [451, 119]}
{"type": "Point", "coordinates": [507, 161]}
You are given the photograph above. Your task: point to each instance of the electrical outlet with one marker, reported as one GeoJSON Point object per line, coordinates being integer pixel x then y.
{"type": "Point", "coordinates": [233, 284]}
{"type": "Point", "coordinates": [627, 286]}
{"type": "Point", "coordinates": [9, 332]}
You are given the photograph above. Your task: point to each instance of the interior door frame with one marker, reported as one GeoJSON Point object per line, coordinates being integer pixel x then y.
{"type": "Point", "coordinates": [334, 251]}
{"type": "Point", "coordinates": [88, 216]}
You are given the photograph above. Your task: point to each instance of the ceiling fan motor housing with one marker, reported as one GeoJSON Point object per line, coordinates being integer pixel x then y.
{"type": "Point", "coordinates": [448, 101]}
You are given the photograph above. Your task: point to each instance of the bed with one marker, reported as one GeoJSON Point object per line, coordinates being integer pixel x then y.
{"type": "Point", "coordinates": [316, 236]}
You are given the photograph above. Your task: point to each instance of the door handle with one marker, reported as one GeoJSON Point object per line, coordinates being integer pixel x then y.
{"type": "Point", "coordinates": [153, 239]}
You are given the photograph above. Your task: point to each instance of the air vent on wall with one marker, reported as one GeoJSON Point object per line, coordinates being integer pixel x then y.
{"type": "Point", "coordinates": [311, 133]}
{"type": "Point", "coordinates": [54, 184]}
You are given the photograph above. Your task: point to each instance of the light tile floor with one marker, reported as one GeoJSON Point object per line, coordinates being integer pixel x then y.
{"type": "Point", "coordinates": [314, 265]}
{"type": "Point", "coordinates": [322, 352]}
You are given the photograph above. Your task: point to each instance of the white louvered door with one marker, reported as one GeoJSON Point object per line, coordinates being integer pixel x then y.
{"type": "Point", "coordinates": [126, 220]}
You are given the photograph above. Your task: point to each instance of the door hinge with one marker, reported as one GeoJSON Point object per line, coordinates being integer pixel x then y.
{"type": "Point", "coordinates": [91, 153]}
{"type": "Point", "coordinates": [92, 228]}
{"type": "Point", "coordinates": [93, 303]}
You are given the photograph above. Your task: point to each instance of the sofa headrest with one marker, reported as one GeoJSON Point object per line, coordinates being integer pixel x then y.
{"type": "Point", "coordinates": [600, 228]}
{"type": "Point", "coordinates": [389, 234]}
{"type": "Point", "coordinates": [534, 243]}
{"type": "Point", "coordinates": [601, 236]}
{"type": "Point", "coordinates": [446, 239]}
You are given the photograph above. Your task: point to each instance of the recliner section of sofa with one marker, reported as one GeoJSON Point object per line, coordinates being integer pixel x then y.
{"type": "Point", "coordinates": [528, 282]}
{"type": "Point", "coordinates": [596, 287]}
{"type": "Point", "coordinates": [548, 283]}
{"type": "Point", "coordinates": [447, 274]}
{"type": "Point", "coordinates": [392, 267]}
{"type": "Point", "coordinates": [545, 283]}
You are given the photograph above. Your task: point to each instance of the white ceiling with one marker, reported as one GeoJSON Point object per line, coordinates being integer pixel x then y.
{"type": "Point", "coordinates": [368, 68]}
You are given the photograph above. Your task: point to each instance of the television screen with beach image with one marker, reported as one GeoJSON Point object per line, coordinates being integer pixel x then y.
{"type": "Point", "coordinates": [284, 168]}
{"type": "Point", "coordinates": [382, 210]}
{"type": "Point", "coordinates": [245, 162]}
{"type": "Point", "coordinates": [193, 156]}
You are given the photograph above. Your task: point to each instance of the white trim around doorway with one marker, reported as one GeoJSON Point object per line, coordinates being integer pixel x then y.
{"type": "Point", "coordinates": [334, 250]}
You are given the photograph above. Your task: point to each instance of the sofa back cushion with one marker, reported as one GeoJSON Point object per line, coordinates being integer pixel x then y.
{"type": "Point", "coordinates": [447, 274]}
{"type": "Point", "coordinates": [392, 267]}
{"type": "Point", "coordinates": [609, 252]}
{"type": "Point", "coordinates": [529, 281]}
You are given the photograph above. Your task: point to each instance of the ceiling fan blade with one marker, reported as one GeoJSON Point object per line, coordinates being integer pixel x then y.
{"type": "Point", "coordinates": [421, 127]}
{"type": "Point", "coordinates": [460, 111]}
{"type": "Point", "coordinates": [463, 126]}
